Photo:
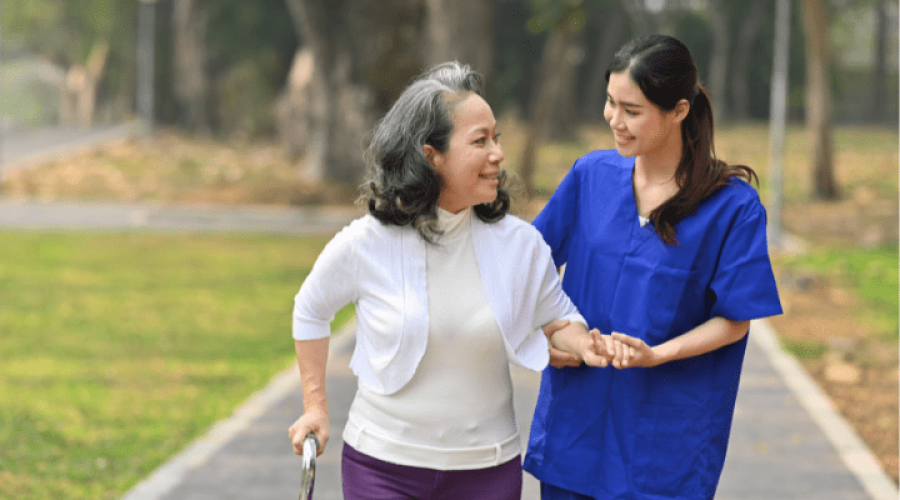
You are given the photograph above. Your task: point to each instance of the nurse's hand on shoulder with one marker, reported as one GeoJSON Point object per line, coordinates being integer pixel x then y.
{"type": "Point", "coordinates": [632, 352]}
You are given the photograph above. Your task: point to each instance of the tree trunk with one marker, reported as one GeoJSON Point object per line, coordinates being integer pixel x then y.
{"type": "Point", "coordinates": [749, 30]}
{"type": "Point", "coordinates": [609, 40]}
{"type": "Point", "coordinates": [78, 105]}
{"type": "Point", "coordinates": [644, 22]}
{"type": "Point", "coordinates": [818, 98]}
{"type": "Point", "coordinates": [556, 79]}
{"type": "Point", "coordinates": [364, 53]}
{"type": "Point", "coordinates": [461, 30]}
{"type": "Point", "coordinates": [190, 76]}
{"type": "Point", "coordinates": [718, 64]}
{"type": "Point", "coordinates": [880, 110]}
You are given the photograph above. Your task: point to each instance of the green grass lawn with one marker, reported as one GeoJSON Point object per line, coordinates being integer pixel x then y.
{"type": "Point", "coordinates": [119, 349]}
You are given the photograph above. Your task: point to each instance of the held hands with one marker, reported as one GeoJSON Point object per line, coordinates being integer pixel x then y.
{"type": "Point", "coordinates": [313, 421]}
{"type": "Point", "coordinates": [635, 352]}
{"type": "Point", "coordinates": [571, 345]}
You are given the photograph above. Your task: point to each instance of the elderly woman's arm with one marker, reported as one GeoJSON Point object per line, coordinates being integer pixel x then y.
{"type": "Point", "coordinates": [312, 359]}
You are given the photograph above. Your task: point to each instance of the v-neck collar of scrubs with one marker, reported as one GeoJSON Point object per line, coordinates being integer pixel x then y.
{"type": "Point", "coordinates": [640, 232]}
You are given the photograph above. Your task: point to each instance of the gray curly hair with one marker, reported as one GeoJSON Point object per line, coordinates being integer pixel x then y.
{"type": "Point", "coordinates": [404, 187]}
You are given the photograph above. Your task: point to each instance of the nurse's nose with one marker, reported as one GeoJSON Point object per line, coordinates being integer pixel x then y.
{"type": "Point", "coordinates": [614, 117]}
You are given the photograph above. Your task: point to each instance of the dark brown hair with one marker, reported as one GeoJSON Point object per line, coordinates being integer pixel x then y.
{"type": "Point", "coordinates": [665, 72]}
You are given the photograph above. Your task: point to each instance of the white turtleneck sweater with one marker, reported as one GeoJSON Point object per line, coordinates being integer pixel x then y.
{"type": "Point", "coordinates": [456, 412]}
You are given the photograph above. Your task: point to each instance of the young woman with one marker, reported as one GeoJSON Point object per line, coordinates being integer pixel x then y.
{"type": "Point", "coordinates": [666, 244]}
{"type": "Point", "coordinates": [448, 291]}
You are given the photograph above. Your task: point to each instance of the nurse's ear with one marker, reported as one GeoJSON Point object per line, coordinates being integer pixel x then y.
{"type": "Point", "coordinates": [680, 112]}
{"type": "Point", "coordinates": [433, 155]}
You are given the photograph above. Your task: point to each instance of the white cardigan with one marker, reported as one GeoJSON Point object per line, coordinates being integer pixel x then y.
{"type": "Point", "coordinates": [381, 269]}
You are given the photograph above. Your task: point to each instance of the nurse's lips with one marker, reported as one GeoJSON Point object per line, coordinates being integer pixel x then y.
{"type": "Point", "coordinates": [622, 138]}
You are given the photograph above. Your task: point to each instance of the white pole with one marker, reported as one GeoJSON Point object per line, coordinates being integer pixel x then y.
{"type": "Point", "coordinates": [778, 117]}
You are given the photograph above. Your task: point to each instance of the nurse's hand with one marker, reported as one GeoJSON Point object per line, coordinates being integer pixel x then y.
{"type": "Point", "coordinates": [632, 352]}
{"type": "Point", "coordinates": [558, 357]}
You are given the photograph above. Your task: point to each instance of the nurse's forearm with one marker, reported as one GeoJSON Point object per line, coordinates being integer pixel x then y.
{"type": "Point", "coordinates": [312, 359]}
{"type": "Point", "coordinates": [709, 336]}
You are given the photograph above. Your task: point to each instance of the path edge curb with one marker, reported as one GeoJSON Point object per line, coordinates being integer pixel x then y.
{"type": "Point", "coordinates": [853, 451]}
{"type": "Point", "coordinates": [171, 473]}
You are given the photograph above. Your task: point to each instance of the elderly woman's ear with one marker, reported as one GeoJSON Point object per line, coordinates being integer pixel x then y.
{"type": "Point", "coordinates": [432, 155]}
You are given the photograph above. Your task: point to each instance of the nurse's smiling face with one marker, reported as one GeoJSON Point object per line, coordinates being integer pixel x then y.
{"type": "Point", "coordinates": [639, 126]}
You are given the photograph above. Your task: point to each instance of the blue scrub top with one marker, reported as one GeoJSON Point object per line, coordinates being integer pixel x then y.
{"type": "Point", "coordinates": [657, 432]}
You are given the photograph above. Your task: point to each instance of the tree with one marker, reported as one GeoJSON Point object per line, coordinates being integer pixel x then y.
{"type": "Point", "coordinates": [461, 30]}
{"type": "Point", "coordinates": [363, 54]}
{"type": "Point", "coordinates": [556, 80]}
{"type": "Point", "coordinates": [879, 77]}
{"type": "Point", "coordinates": [190, 76]}
{"type": "Point", "coordinates": [719, 62]}
{"type": "Point", "coordinates": [750, 26]}
{"type": "Point", "coordinates": [818, 98]}
{"type": "Point", "coordinates": [608, 40]}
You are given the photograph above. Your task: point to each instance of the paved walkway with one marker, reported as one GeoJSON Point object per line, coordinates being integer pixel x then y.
{"type": "Point", "coordinates": [777, 449]}
{"type": "Point", "coordinates": [787, 440]}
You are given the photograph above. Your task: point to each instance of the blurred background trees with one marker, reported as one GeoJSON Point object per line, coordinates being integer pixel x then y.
{"type": "Point", "coordinates": [317, 74]}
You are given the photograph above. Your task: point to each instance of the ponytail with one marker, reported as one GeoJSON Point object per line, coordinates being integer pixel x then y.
{"type": "Point", "coordinates": [700, 173]}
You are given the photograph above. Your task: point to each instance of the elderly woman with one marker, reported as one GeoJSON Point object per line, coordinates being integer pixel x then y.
{"type": "Point", "coordinates": [448, 290]}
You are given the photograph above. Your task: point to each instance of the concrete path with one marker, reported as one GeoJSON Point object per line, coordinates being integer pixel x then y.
{"type": "Point", "coordinates": [777, 449]}
{"type": "Point", "coordinates": [156, 217]}
{"type": "Point", "coordinates": [787, 440]}
{"type": "Point", "coordinates": [21, 150]}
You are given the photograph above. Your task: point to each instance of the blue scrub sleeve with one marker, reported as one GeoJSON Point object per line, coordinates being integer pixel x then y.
{"type": "Point", "coordinates": [557, 219]}
{"type": "Point", "coordinates": [744, 284]}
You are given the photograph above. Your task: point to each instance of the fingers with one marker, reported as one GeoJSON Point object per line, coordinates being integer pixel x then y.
{"type": "Point", "coordinates": [635, 351]}
{"type": "Point", "coordinates": [627, 339]}
{"type": "Point", "coordinates": [304, 426]}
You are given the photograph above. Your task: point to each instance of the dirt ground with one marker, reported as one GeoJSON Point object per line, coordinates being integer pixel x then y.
{"type": "Point", "coordinates": [858, 370]}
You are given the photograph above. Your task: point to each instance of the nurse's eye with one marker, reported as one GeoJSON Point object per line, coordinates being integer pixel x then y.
{"type": "Point", "coordinates": [480, 140]}
{"type": "Point", "coordinates": [497, 138]}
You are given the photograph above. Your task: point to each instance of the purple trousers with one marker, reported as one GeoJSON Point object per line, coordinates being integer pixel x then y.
{"type": "Point", "coordinates": [367, 478]}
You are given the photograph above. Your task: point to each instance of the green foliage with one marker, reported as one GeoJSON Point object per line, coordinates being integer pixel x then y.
{"type": "Point", "coordinates": [66, 32]}
{"type": "Point", "coordinates": [119, 349]}
{"type": "Point", "coordinates": [871, 273]}
{"type": "Point", "coordinates": [805, 350]}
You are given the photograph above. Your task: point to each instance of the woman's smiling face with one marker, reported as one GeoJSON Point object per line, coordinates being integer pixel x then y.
{"type": "Point", "coordinates": [469, 167]}
{"type": "Point", "coordinates": [639, 126]}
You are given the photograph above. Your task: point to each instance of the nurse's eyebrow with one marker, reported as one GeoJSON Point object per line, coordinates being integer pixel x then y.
{"type": "Point", "coordinates": [624, 103]}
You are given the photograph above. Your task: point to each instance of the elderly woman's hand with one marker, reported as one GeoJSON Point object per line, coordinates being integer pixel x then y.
{"type": "Point", "coordinates": [315, 422]}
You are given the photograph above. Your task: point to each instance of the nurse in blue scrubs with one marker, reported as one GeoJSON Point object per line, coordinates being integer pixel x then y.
{"type": "Point", "coordinates": [664, 245]}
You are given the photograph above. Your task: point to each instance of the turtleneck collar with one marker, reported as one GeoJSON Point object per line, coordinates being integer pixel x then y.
{"type": "Point", "coordinates": [453, 224]}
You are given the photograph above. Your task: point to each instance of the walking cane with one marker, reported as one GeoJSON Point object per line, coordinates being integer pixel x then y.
{"type": "Point", "coordinates": [308, 475]}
